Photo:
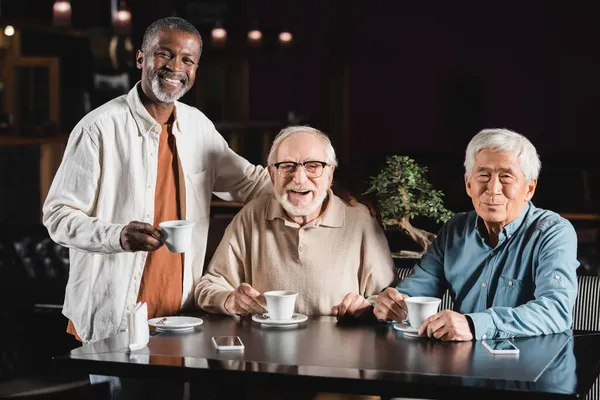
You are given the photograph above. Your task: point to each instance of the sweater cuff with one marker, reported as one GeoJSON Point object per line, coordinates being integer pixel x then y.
{"type": "Point", "coordinates": [220, 298]}
{"type": "Point", "coordinates": [483, 325]}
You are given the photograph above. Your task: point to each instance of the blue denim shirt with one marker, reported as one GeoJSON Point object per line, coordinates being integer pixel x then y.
{"type": "Point", "coordinates": [525, 286]}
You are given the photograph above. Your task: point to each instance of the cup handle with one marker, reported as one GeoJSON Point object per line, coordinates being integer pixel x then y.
{"type": "Point", "coordinates": [405, 320]}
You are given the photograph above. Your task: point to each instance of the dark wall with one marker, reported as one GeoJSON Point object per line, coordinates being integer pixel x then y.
{"type": "Point", "coordinates": [423, 79]}
{"type": "Point", "coordinates": [426, 79]}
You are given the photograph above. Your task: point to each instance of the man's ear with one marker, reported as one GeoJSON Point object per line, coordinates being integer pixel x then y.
{"type": "Point", "coordinates": [468, 185]}
{"type": "Point", "coordinates": [531, 189]}
{"type": "Point", "coordinates": [331, 176]}
{"type": "Point", "coordinates": [271, 170]}
{"type": "Point", "coordinates": [139, 59]}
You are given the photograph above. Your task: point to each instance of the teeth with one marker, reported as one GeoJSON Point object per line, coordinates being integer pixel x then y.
{"type": "Point", "coordinates": [171, 80]}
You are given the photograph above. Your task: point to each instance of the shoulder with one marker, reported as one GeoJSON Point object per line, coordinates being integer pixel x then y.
{"type": "Point", "coordinates": [254, 209]}
{"type": "Point", "coordinates": [193, 115]}
{"type": "Point", "coordinates": [113, 109]}
{"type": "Point", "coordinates": [356, 218]}
{"type": "Point", "coordinates": [546, 221]}
{"type": "Point", "coordinates": [358, 212]}
{"type": "Point", "coordinates": [461, 222]}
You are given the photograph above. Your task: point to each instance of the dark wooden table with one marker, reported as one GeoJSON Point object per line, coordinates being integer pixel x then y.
{"type": "Point", "coordinates": [327, 356]}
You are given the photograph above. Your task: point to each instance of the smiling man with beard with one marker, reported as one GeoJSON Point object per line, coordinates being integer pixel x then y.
{"type": "Point", "coordinates": [134, 162]}
{"type": "Point", "coordinates": [302, 238]}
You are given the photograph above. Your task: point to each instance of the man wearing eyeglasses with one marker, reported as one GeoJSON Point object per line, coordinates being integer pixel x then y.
{"type": "Point", "coordinates": [302, 238]}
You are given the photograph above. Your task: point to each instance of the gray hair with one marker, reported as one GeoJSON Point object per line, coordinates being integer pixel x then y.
{"type": "Point", "coordinates": [505, 140]}
{"type": "Point", "coordinates": [171, 23]}
{"type": "Point", "coordinates": [294, 130]}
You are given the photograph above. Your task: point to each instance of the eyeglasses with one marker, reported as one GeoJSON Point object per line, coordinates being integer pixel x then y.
{"type": "Point", "coordinates": [313, 169]}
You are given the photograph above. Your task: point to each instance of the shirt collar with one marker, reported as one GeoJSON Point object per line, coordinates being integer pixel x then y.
{"type": "Point", "coordinates": [333, 216]}
{"type": "Point", "coordinates": [510, 228]}
{"type": "Point", "coordinates": [143, 119]}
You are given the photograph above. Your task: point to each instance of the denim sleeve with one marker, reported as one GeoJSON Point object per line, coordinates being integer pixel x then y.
{"type": "Point", "coordinates": [555, 282]}
{"type": "Point", "coordinates": [428, 277]}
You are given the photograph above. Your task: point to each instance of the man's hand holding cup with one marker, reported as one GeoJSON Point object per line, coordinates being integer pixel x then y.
{"type": "Point", "coordinates": [245, 300]}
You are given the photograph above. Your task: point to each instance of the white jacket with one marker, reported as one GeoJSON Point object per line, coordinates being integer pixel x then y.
{"type": "Point", "coordinates": [107, 179]}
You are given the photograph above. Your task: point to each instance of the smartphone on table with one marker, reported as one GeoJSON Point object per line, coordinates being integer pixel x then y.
{"type": "Point", "coordinates": [228, 343]}
{"type": "Point", "coordinates": [500, 346]}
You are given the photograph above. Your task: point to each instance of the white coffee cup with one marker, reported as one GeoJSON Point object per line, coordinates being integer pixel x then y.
{"type": "Point", "coordinates": [280, 303]}
{"type": "Point", "coordinates": [421, 308]}
{"type": "Point", "coordinates": [177, 234]}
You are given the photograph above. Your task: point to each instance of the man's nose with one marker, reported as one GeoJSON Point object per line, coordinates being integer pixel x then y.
{"type": "Point", "coordinates": [494, 186]}
{"type": "Point", "coordinates": [300, 175]}
{"type": "Point", "coordinates": [175, 64]}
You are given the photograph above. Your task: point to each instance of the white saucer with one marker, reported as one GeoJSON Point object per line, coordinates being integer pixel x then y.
{"type": "Point", "coordinates": [404, 327]}
{"type": "Point", "coordinates": [175, 324]}
{"type": "Point", "coordinates": [415, 335]}
{"type": "Point", "coordinates": [267, 321]}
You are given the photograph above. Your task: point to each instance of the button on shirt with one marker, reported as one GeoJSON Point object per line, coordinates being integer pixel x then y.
{"type": "Point", "coordinates": [525, 286]}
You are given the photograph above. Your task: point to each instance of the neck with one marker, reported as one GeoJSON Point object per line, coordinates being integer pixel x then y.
{"type": "Point", "coordinates": [305, 219]}
{"type": "Point", "coordinates": [493, 230]}
{"type": "Point", "coordinates": [161, 112]}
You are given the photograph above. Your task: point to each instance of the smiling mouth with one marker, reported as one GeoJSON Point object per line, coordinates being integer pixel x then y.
{"type": "Point", "coordinates": [173, 81]}
{"type": "Point", "coordinates": [300, 192]}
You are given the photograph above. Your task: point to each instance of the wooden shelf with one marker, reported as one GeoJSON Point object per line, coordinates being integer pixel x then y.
{"type": "Point", "coordinates": [580, 216]}
{"type": "Point", "coordinates": [226, 204]}
{"type": "Point", "coordinates": [51, 152]}
{"type": "Point", "coordinates": [12, 140]}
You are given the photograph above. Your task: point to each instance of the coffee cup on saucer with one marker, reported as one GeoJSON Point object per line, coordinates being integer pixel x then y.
{"type": "Point", "coordinates": [280, 304]}
{"type": "Point", "coordinates": [420, 308]}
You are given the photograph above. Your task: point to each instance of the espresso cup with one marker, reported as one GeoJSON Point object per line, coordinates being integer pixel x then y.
{"type": "Point", "coordinates": [280, 303]}
{"type": "Point", "coordinates": [421, 308]}
{"type": "Point", "coordinates": [177, 234]}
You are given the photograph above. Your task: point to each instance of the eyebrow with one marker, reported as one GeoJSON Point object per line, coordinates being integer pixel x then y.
{"type": "Point", "coordinates": [170, 50]}
{"type": "Point", "coordinates": [488, 169]}
{"type": "Point", "coordinates": [303, 161]}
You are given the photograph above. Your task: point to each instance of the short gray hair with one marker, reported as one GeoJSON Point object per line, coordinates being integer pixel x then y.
{"type": "Point", "coordinates": [297, 129]}
{"type": "Point", "coordinates": [505, 140]}
{"type": "Point", "coordinates": [171, 23]}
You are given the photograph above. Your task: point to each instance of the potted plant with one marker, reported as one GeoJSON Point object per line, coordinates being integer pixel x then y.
{"type": "Point", "coordinates": [404, 193]}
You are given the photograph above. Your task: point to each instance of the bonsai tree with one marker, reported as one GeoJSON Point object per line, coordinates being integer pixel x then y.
{"type": "Point", "coordinates": [403, 193]}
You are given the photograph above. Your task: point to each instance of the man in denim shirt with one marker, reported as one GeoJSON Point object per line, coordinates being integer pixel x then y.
{"type": "Point", "coordinates": [509, 265]}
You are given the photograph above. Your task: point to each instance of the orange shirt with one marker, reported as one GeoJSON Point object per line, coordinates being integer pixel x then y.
{"type": "Point", "coordinates": [161, 286]}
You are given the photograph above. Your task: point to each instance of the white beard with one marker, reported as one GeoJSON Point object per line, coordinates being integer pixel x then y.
{"type": "Point", "coordinates": [297, 211]}
{"type": "Point", "coordinates": [166, 97]}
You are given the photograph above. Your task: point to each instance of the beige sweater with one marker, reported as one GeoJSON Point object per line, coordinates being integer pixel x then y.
{"type": "Point", "coordinates": [342, 251]}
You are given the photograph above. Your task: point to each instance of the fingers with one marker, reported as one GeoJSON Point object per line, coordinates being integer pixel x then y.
{"type": "Point", "coordinates": [358, 306]}
{"type": "Point", "coordinates": [148, 229]}
{"type": "Point", "coordinates": [447, 325]}
{"type": "Point", "coordinates": [249, 300]}
{"type": "Point", "coordinates": [139, 236]}
{"type": "Point", "coordinates": [343, 306]}
{"type": "Point", "coordinates": [432, 324]}
{"type": "Point", "coordinates": [353, 305]}
{"type": "Point", "coordinates": [389, 306]}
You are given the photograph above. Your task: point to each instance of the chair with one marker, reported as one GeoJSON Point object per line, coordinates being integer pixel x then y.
{"type": "Point", "coordinates": [216, 230]}
{"type": "Point", "coordinates": [586, 315]}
